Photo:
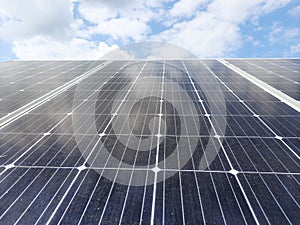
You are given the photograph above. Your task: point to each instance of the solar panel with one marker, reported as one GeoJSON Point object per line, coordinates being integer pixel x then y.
{"type": "Point", "coordinates": [22, 82]}
{"type": "Point", "coordinates": [280, 74]}
{"type": "Point", "coordinates": [150, 142]}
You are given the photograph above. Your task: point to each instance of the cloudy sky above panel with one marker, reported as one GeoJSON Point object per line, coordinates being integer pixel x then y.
{"type": "Point", "coordinates": [87, 29]}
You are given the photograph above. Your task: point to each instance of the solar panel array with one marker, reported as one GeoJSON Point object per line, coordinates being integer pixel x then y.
{"type": "Point", "coordinates": [55, 170]}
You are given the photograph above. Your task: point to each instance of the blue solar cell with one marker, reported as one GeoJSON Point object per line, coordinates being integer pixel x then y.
{"type": "Point", "coordinates": [140, 142]}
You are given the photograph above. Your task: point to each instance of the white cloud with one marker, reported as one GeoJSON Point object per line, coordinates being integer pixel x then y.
{"type": "Point", "coordinates": [35, 17]}
{"type": "Point", "coordinates": [295, 11]}
{"type": "Point", "coordinates": [40, 47]}
{"type": "Point", "coordinates": [98, 11]}
{"type": "Point", "coordinates": [209, 28]}
{"type": "Point", "coordinates": [295, 49]}
{"type": "Point", "coordinates": [287, 38]}
{"type": "Point", "coordinates": [205, 36]}
{"type": "Point", "coordinates": [186, 7]}
{"type": "Point", "coordinates": [113, 4]}
{"type": "Point", "coordinates": [215, 32]}
{"type": "Point", "coordinates": [250, 39]}
{"type": "Point", "coordinates": [122, 28]}
{"type": "Point", "coordinates": [120, 21]}
{"type": "Point", "coordinates": [239, 11]}
{"type": "Point", "coordinates": [279, 33]}
{"type": "Point", "coordinates": [96, 15]}
{"type": "Point", "coordinates": [157, 4]}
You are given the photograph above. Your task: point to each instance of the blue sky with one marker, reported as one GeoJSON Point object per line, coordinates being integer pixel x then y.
{"type": "Point", "coordinates": [87, 29]}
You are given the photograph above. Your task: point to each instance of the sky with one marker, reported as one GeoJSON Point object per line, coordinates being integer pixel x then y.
{"type": "Point", "coordinates": [87, 29]}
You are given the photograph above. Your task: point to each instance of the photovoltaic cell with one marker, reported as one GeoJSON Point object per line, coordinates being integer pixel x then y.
{"type": "Point", "coordinates": [54, 169]}
{"type": "Point", "coordinates": [282, 75]}
{"type": "Point", "coordinates": [280, 190]}
{"type": "Point", "coordinates": [22, 82]}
